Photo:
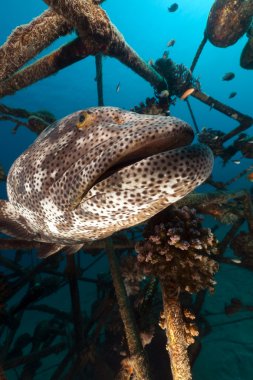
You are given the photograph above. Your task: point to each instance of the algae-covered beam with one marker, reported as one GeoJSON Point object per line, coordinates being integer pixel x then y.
{"type": "Point", "coordinates": [196, 200]}
{"type": "Point", "coordinates": [12, 243]}
{"type": "Point", "coordinates": [64, 56]}
{"type": "Point", "coordinates": [137, 354]}
{"type": "Point", "coordinates": [248, 210]}
{"type": "Point", "coordinates": [17, 244]}
{"type": "Point", "coordinates": [230, 235]}
{"type": "Point", "coordinates": [15, 121]}
{"type": "Point", "coordinates": [75, 300]}
{"type": "Point", "coordinates": [223, 108]}
{"type": "Point", "coordinates": [26, 41]}
{"type": "Point", "coordinates": [198, 53]}
{"type": "Point", "coordinates": [33, 357]}
{"type": "Point", "coordinates": [92, 23]}
{"type": "Point", "coordinates": [176, 339]}
{"type": "Point", "coordinates": [61, 315]}
{"type": "Point", "coordinates": [239, 129]}
{"type": "Point", "coordinates": [97, 34]}
{"type": "Point", "coordinates": [18, 112]}
{"type": "Point", "coordinates": [238, 176]}
{"type": "Point", "coordinates": [99, 78]}
{"type": "Point", "coordinates": [88, 18]}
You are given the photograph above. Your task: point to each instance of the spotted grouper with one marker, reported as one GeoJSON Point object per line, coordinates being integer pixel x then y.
{"type": "Point", "coordinates": [98, 171]}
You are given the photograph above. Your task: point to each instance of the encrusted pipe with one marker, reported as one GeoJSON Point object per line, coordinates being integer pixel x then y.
{"type": "Point", "coordinates": [202, 200]}
{"type": "Point", "coordinates": [239, 129]}
{"type": "Point", "coordinates": [176, 339]}
{"type": "Point", "coordinates": [75, 301]}
{"type": "Point", "coordinates": [65, 56]}
{"type": "Point", "coordinates": [92, 23]}
{"type": "Point", "coordinates": [230, 235]}
{"type": "Point", "coordinates": [223, 108]}
{"type": "Point", "coordinates": [99, 78]}
{"type": "Point", "coordinates": [18, 112]}
{"type": "Point", "coordinates": [34, 356]}
{"type": "Point", "coordinates": [238, 176]}
{"type": "Point", "coordinates": [248, 210]}
{"type": "Point", "coordinates": [192, 116]}
{"type": "Point", "coordinates": [198, 53]}
{"type": "Point", "coordinates": [26, 41]}
{"type": "Point", "coordinates": [138, 359]}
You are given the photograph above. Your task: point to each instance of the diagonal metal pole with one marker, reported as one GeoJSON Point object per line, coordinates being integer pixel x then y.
{"type": "Point", "coordinates": [137, 354]}
{"type": "Point", "coordinates": [75, 300]}
{"type": "Point", "coordinates": [99, 78]}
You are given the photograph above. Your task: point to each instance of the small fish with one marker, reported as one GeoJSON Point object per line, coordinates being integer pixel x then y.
{"type": "Point", "coordinates": [173, 7]}
{"type": "Point", "coordinates": [215, 137]}
{"type": "Point", "coordinates": [236, 261]}
{"type": "Point", "coordinates": [151, 62]}
{"type": "Point", "coordinates": [171, 43]}
{"type": "Point", "coordinates": [211, 107]}
{"type": "Point", "coordinates": [250, 177]}
{"type": "Point", "coordinates": [187, 93]}
{"type": "Point", "coordinates": [242, 140]}
{"type": "Point", "coordinates": [237, 162]}
{"type": "Point", "coordinates": [232, 95]}
{"type": "Point", "coordinates": [118, 88]}
{"type": "Point", "coordinates": [165, 55]}
{"type": "Point", "coordinates": [164, 94]}
{"type": "Point", "coordinates": [228, 76]}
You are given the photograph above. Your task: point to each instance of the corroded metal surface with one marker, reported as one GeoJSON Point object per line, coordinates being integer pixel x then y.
{"type": "Point", "coordinates": [228, 21]}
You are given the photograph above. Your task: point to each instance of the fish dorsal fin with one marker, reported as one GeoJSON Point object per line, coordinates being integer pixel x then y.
{"type": "Point", "coordinates": [12, 223]}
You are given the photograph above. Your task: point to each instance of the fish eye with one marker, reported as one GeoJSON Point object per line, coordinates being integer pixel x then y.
{"type": "Point", "coordinates": [85, 120]}
{"type": "Point", "coordinates": [81, 118]}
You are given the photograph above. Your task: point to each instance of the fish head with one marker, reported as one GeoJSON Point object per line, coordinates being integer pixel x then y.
{"type": "Point", "coordinates": [103, 169]}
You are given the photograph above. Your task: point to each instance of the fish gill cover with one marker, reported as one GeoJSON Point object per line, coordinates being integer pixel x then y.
{"type": "Point", "coordinates": [160, 283]}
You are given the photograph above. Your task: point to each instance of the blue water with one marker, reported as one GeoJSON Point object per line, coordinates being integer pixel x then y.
{"type": "Point", "coordinates": [147, 26]}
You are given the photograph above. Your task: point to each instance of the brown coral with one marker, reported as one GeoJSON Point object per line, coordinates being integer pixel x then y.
{"type": "Point", "coordinates": [178, 252]}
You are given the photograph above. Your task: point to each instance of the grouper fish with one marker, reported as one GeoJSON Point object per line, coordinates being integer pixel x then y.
{"type": "Point", "coordinates": [98, 171]}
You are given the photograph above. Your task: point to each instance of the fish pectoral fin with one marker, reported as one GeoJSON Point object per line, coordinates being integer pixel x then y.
{"type": "Point", "coordinates": [71, 249]}
{"type": "Point", "coordinates": [48, 249]}
{"type": "Point", "coordinates": [12, 223]}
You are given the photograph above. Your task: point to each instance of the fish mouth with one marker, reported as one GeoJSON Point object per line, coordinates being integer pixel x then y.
{"type": "Point", "coordinates": [148, 149]}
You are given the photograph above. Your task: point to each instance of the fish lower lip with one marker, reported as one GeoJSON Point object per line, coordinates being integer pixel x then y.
{"type": "Point", "coordinates": [138, 155]}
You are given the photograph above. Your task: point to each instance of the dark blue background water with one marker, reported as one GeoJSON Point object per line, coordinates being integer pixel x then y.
{"type": "Point", "coordinates": [147, 26]}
